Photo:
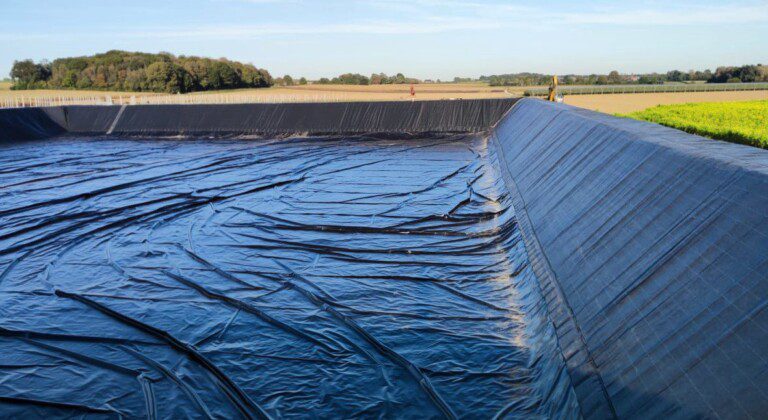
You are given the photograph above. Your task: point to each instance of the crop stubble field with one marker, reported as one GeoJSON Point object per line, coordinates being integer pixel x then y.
{"type": "Point", "coordinates": [609, 103]}
{"type": "Point", "coordinates": [311, 93]}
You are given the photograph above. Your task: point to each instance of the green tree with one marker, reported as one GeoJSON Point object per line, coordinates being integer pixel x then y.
{"type": "Point", "coordinates": [157, 75]}
{"type": "Point", "coordinates": [136, 81]}
{"type": "Point", "coordinates": [222, 76]}
{"type": "Point", "coordinates": [651, 79]}
{"type": "Point", "coordinates": [70, 79]}
{"type": "Point", "coordinates": [350, 79]}
{"type": "Point", "coordinates": [163, 76]}
{"type": "Point", "coordinates": [26, 74]}
{"type": "Point", "coordinates": [84, 82]}
{"type": "Point", "coordinates": [614, 77]}
{"type": "Point", "coordinates": [128, 71]}
{"type": "Point", "coordinates": [678, 76]}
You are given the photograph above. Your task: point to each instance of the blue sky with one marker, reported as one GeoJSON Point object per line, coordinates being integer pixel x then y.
{"type": "Point", "coordinates": [421, 38]}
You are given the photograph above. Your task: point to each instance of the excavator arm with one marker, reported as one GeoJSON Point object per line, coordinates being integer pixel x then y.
{"type": "Point", "coordinates": [553, 89]}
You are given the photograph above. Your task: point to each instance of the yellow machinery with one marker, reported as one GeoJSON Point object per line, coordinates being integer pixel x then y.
{"type": "Point", "coordinates": [553, 90]}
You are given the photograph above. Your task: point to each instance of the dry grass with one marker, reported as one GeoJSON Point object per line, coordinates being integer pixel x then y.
{"type": "Point", "coordinates": [308, 93]}
{"type": "Point", "coordinates": [613, 104]}
{"type": "Point", "coordinates": [633, 102]}
{"type": "Point", "coordinates": [46, 97]}
{"type": "Point", "coordinates": [48, 93]}
{"type": "Point", "coordinates": [377, 92]}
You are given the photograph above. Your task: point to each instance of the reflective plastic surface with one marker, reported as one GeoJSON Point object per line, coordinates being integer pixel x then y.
{"type": "Point", "coordinates": [305, 277]}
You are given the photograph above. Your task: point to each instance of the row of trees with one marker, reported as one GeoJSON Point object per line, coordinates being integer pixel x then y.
{"type": "Point", "coordinates": [748, 73]}
{"type": "Point", "coordinates": [535, 79]}
{"type": "Point", "coordinates": [164, 72]}
{"type": "Point", "coordinates": [350, 79]}
{"type": "Point", "coordinates": [375, 79]}
{"type": "Point", "coordinates": [138, 72]}
{"type": "Point", "coordinates": [398, 79]}
{"type": "Point", "coordinates": [289, 81]}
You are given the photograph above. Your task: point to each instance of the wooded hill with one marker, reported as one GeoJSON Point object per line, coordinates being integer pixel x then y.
{"type": "Point", "coordinates": [138, 72]}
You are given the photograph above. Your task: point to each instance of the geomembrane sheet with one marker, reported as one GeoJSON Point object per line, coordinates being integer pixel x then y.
{"type": "Point", "coordinates": [333, 277]}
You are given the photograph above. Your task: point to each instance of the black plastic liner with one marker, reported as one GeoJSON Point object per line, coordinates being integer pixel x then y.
{"type": "Point", "coordinates": [401, 117]}
{"type": "Point", "coordinates": [320, 277]}
{"type": "Point", "coordinates": [573, 264]}
{"type": "Point", "coordinates": [330, 118]}
{"type": "Point", "coordinates": [30, 123]}
{"type": "Point", "coordinates": [652, 248]}
{"type": "Point", "coordinates": [90, 119]}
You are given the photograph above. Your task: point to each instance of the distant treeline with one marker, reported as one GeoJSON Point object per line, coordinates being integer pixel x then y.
{"type": "Point", "coordinates": [748, 73]}
{"type": "Point", "coordinates": [138, 72]}
{"type": "Point", "coordinates": [289, 81]}
{"type": "Point", "coordinates": [143, 72]}
{"type": "Point", "coordinates": [350, 79]}
{"type": "Point", "coordinates": [375, 79]}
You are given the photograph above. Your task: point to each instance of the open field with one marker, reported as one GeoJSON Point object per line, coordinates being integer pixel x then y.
{"type": "Point", "coordinates": [376, 92]}
{"type": "Point", "coordinates": [639, 88]}
{"type": "Point", "coordinates": [615, 103]}
{"type": "Point", "coordinates": [45, 97]}
{"type": "Point", "coordinates": [308, 93]}
{"type": "Point", "coordinates": [738, 122]}
{"type": "Point", "coordinates": [632, 102]}
{"type": "Point", "coordinates": [423, 91]}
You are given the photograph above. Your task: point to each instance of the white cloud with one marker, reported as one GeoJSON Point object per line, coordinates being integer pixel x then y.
{"type": "Point", "coordinates": [702, 15]}
{"type": "Point", "coordinates": [658, 14]}
{"type": "Point", "coordinates": [24, 36]}
{"type": "Point", "coordinates": [376, 27]}
{"type": "Point", "coordinates": [440, 16]}
{"type": "Point", "coordinates": [406, 17]}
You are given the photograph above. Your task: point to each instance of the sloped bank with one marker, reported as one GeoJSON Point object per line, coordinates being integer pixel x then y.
{"type": "Point", "coordinates": [652, 248]}
{"type": "Point", "coordinates": [651, 245]}
{"type": "Point", "coordinates": [255, 119]}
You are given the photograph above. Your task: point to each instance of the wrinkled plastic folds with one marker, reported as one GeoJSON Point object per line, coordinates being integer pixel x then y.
{"type": "Point", "coordinates": [336, 277]}
{"type": "Point", "coordinates": [565, 263]}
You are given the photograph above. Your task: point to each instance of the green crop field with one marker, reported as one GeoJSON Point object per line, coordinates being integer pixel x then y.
{"type": "Point", "coordinates": [737, 122]}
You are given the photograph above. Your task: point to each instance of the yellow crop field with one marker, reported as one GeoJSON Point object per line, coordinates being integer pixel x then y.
{"type": "Point", "coordinates": [739, 122]}
{"type": "Point", "coordinates": [626, 103]}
